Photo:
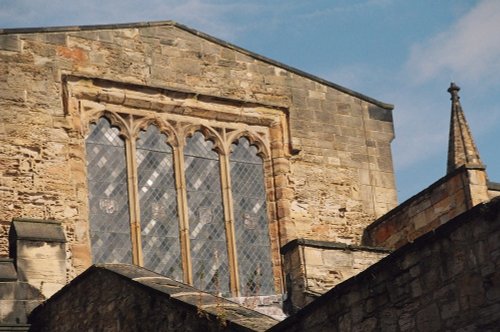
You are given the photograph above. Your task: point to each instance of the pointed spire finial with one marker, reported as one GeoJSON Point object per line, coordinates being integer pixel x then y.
{"type": "Point", "coordinates": [461, 147]}
{"type": "Point", "coordinates": [453, 90]}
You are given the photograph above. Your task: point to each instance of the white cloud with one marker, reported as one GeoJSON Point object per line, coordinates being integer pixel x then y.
{"type": "Point", "coordinates": [468, 49]}
{"type": "Point", "coordinates": [467, 52]}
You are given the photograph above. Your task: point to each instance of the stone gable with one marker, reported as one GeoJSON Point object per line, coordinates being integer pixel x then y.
{"type": "Point", "coordinates": [339, 175]}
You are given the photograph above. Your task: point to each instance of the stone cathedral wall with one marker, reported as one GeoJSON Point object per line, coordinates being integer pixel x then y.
{"type": "Point", "coordinates": [339, 177]}
{"type": "Point", "coordinates": [447, 280]}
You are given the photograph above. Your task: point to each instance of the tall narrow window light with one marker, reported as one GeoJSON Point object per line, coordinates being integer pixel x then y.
{"type": "Point", "coordinates": [158, 204]}
{"type": "Point", "coordinates": [108, 198]}
{"type": "Point", "coordinates": [251, 227]}
{"type": "Point", "coordinates": [206, 216]}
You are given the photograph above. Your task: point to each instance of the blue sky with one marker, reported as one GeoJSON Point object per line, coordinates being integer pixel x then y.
{"type": "Point", "coordinates": [398, 51]}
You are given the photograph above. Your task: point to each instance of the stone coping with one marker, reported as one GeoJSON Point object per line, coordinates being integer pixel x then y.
{"type": "Point", "coordinates": [430, 188]}
{"type": "Point", "coordinates": [37, 230]}
{"type": "Point", "coordinates": [201, 35]}
{"type": "Point", "coordinates": [488, 210]}
{"type": "Point", "coordinates": [493, 186]}
{"type": "Point", "coordinates": [329, 245]}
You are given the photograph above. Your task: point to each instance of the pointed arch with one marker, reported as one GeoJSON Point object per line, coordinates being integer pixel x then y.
{"type": "Point", "coordinates": [114, 118]}
{"type": "Point", "coordinates": [164, 127]}
{"type": "Point", "coordinates": [256, 139]}
{"type": "Point", "coordinates": [209, 133]}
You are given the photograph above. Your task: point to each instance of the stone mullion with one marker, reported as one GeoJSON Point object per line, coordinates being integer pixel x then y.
{"type": "Point", "coordinates": [229, 223]}
{"type": "Point", "coordinates": [133, 196]}
{"type": "Point", "coordinates": [180, 185]}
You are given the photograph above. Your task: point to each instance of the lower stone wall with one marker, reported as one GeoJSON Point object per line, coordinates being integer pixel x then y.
{"type": "Point", "coordinates": [314, 267]}
{"type": "Point", "coordinates": [445, 199]}
{"type": "Point", "coordinates": [17, 298]}
{"type": "Point", "coordinates": [36, 270]}
{"type": "Point", "coordinates": [447, 280]}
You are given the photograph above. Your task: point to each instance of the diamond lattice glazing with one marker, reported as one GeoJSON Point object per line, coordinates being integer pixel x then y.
{"type": "Point", "coordinates": [108, 198]}
{"type": "Point", "coordinates": [206, 216]}
{"type": "Point", "coordinates": [251, 225]}
{"type": "Point", "coordinates": [158, 204]}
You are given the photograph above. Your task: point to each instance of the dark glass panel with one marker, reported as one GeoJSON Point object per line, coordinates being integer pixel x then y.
{"type": "Point", "coordinates": [206, 216]}
{"type": "Point", "coordinates": [158, 204]}
{"type": "Point", "coordinates": [251, 225]}
{"type": "Point", "coordinates": [108, 195]}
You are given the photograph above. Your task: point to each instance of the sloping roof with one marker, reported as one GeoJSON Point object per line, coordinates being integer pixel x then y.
{"type": "Point", "coordinates": [208, 309]}
{"type": "Point", "coordinates": [204, 36]}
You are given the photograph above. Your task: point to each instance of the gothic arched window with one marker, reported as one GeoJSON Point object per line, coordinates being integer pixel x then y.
{"type": "Point", "coordinates": [183, 209]}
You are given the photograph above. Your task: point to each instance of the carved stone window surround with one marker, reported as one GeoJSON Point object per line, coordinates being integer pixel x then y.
{"type": "Point", "coordinates": [133, 108]}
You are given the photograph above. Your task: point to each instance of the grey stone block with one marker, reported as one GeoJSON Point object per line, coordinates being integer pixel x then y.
{"type": "Point", "coordinates": [381, 114]}
{"type": "Point", "coordinates": [7, 270]}
{"type": "Point", "coordinates": [11, 43]}
{"type": "Point", "coordinates": [55, 38]}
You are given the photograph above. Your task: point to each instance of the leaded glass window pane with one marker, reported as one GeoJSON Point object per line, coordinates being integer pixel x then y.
{"type": "Point", "coordinates": [206, 216]}
{"type": "Point", "coordinates": [158, 204]}
{"type": "Point", "coordinates": [251, 226]}
{"type": "Point", "coordinates": [108, 196]}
